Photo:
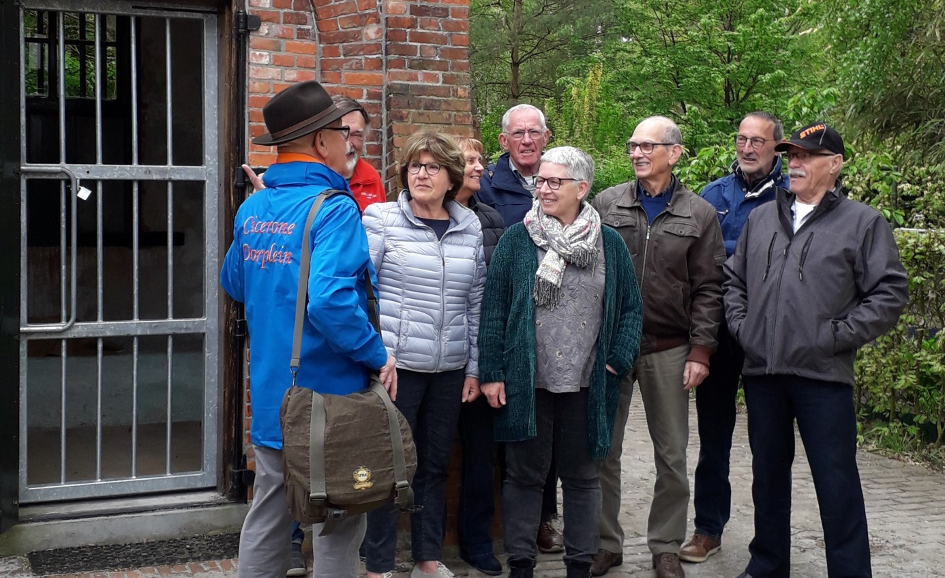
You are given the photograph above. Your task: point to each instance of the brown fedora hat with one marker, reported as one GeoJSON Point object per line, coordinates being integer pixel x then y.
{"type": "Point", "coordinates": [297, 111]}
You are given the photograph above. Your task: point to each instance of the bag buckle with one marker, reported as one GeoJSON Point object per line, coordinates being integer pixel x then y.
{"type": "Point", "coordinates": [318, 499]}
{"type": "Point", "coordinates": [336, 513]}
{"type": "Point", "coordinates": [401, 492]}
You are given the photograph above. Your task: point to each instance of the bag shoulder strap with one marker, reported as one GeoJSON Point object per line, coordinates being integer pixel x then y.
{"type": "Point", "coordinates": [317, 480]}
{"type": "Point", "coordinates": [305, 266]}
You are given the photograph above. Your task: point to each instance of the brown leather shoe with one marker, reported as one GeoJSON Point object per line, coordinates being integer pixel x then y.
{"type": "Point", "coordinates": [604, 560]}
{"type": "Point", "coordinates": [549, 538]}
{"type": "Point", "coordinates": [699, 548]}
{"type": "Point", "coordinates": [667, 566]}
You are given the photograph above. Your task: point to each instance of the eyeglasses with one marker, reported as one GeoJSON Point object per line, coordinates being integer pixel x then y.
{"type": "Point", "coordinates": [756, 141]}
{"type": "Point", "coordinates": [533, 134]}
{"type": "Point", "coordinates": [805, 156]}
{"type": "Point", "coordinates": [344, 130]}
{"type": "Point", "coordinates": [645, 147]}
{"type": "Point", "coordinates": [432, 168]}
{"type": "Point", "coordinates": [554, 183]}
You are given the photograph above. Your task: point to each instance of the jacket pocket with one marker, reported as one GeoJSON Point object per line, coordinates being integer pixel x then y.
{"type": "Point", "coordinates": [625, 224]}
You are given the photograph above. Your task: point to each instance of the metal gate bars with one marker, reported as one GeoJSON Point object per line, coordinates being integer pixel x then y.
{"type": "Point", "coordinates": [118, 253]}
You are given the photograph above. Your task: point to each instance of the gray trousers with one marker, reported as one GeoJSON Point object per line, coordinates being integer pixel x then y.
{"type": "Point", "coordinates": [266, 537]}
{"type": "Point", "coordinates": [659, 376]}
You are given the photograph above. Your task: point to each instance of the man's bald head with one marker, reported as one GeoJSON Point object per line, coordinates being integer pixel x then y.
{"type": "Point", "coordinates": [668, 129]}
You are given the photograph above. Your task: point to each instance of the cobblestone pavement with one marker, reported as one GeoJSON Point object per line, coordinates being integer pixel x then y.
{"type": "Point", "coordinates": [903, 502]}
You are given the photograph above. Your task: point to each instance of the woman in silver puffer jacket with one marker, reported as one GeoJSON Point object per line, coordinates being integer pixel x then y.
{"type": "Point", "coordinates": [427, 250]}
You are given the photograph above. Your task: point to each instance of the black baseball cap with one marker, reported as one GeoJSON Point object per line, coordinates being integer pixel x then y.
{"type": "Point", "coordinates": [814, 137]}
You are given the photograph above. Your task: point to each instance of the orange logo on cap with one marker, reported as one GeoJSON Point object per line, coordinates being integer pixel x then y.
{"type": "Point", "coordinates": [807, 132]}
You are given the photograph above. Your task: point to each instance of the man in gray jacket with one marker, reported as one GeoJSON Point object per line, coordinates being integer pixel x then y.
{"type": "Point", "coordinates": [814, 277]}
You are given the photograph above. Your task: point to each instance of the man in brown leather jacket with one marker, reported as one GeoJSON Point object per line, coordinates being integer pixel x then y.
{"type": "Point", "coordinates": [676, 245]}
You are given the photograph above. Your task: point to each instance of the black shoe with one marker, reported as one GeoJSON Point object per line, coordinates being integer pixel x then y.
{"type": "Point", "coordinates": [521, 568]}
{"type": "Point", "coordinates": [486, 563]}
{"type": "Point", "coordinates": [744, 575]}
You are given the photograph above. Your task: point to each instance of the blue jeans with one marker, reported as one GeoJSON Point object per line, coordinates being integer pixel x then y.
{"type": "Point", "coordinates": [431, 403]}
{"type": "Point", "coordinates": [715, 408]}
{"type": "Point", "coordinates": [561, 423]}
{"type": "Point", "coordinates": [827, 424]}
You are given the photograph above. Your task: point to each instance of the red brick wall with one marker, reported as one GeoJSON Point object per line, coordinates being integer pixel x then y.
{"type": "Point", "coordinates": [407, 62]}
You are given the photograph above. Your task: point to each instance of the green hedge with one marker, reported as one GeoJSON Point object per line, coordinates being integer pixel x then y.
{"type": "Point", "coordinates": [900, 377]}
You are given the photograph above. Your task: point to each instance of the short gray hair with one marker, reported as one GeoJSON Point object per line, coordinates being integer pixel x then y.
{"type": "Point", "coordinates": [579, 164]}
{"type": "Point", "coordinates": [778, 127]}
{"type": "Point", "coordinates": [507, 117]}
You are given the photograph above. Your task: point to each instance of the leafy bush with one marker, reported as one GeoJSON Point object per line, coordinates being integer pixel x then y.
{"type": "Point", "coordinates": [900, 378]}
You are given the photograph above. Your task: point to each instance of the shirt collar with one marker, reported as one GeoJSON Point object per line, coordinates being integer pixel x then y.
{"type": "Point", "coordinates": [297, 158]}
{"type": "Point", "coordinates": [668, 191]}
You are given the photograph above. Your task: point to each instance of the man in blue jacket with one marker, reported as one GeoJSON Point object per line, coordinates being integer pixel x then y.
{"type": "Point", "coordinates": [756, 174]}
{"type": "Point", "coordinates": [339, 346]}
{"type": "Point", "coordinates": [508, 185]}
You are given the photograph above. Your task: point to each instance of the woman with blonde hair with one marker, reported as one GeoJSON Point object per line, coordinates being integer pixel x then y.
{"type": "Point", "coordinates": [476, 497]}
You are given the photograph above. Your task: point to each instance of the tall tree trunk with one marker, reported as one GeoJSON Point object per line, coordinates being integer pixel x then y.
{"type": "Point", "coordinates": [516, 41]}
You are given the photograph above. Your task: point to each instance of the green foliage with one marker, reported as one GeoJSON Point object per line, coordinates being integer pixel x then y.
{"type": "Point", "coordinates": [901, 376]}
{"type": "Point", "coordinates": [874, 68]}
{"type": "Point", "coordinates": [518, 46]}
{"type": "Point", "coordinates": [889, 65]}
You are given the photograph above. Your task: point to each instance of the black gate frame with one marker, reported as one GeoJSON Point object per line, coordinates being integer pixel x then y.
{"type": "Point", "coordinates": [9, 264]}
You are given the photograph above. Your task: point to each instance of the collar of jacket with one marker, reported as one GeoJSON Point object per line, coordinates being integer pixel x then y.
{"type": "Point", "coordinates": [502, 177]}
{"type": "Point", "coordinates": [302, 174]}
{"type": "Point", "coordinates": [786, 199]}
{"type": "Point", "coordinates": [678, 204]}
{"type": "Point", "coordinates": [762, 184]}
{"type": "Point", "coordinates": [460, 216]}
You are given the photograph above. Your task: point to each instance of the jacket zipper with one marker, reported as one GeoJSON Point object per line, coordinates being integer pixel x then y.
{"type": "Point", "coordinates": [777, 301]}
{"type": "Point", "coordinates": [770, 252]}
{"type": "Point", "coordinates": [800, 265]}
{"type": "Point", "coordinates": [439, 337]}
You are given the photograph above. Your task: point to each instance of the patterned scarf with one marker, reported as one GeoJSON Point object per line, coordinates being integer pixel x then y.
{"type": "Point", "coordinates": [575, 244]}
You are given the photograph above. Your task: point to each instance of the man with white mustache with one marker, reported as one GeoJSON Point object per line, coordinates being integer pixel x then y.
{"type": "Point", "coordinates": [363, 179]}
{"type": "Point", "coordinates": [814, 277]}
{"type": "Point", "coordinates": [756, 174]}
{"type": "Point", "coordinates": [676, 246]}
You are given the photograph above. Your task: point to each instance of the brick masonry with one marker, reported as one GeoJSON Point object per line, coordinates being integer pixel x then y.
{"type": "Point", "coordinates": [407, 62]}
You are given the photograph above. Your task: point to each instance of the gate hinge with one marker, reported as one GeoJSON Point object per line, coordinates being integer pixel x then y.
{"type": "Point", "coordinates": [243, 478]}
{"type": "Point", "coordinates": [239, 328]}
{"type": "Point", "coordinates": [246, 22]}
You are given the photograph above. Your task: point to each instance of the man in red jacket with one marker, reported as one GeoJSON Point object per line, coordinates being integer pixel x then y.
{"type": "Point", "coordinates": [363, 179]}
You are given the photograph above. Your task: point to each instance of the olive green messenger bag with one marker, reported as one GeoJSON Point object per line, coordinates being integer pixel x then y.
{"type": "Point", "coordinates": [342, 454]}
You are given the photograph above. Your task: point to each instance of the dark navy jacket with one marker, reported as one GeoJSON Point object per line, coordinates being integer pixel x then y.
{"type": "Point", "coordinates": [501, 190]}
{"type": "Point", "coordinates": [492, 226]}
{"type": "Point", "coordinates": [728, 196]}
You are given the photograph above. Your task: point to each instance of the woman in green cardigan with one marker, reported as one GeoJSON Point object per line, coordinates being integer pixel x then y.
{"type": "Point", "coordinates": [559, 329]}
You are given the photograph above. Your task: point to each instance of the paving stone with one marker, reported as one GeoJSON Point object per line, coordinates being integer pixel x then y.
{"type": "Point", "coordinates": [905, 512]}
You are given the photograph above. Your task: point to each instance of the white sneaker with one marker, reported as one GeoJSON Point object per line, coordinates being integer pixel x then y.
{"type": "Point", "coordinates": [441, 572]}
